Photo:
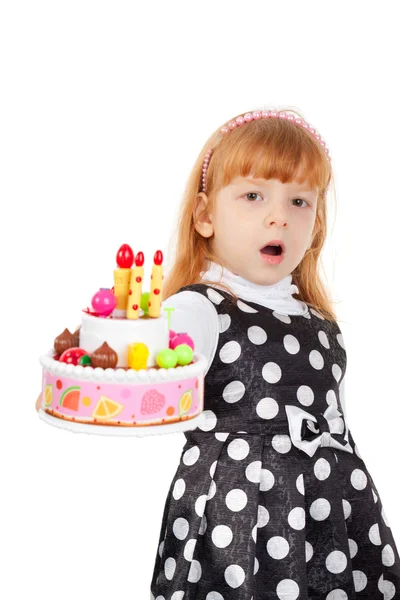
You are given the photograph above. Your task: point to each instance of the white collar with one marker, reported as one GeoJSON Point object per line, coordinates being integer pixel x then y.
{"type": "Point", "coordinates": [277, 296]}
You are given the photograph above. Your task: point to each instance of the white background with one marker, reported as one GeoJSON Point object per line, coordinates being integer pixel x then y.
{"type": "Point", "coordinates": [104, 109]}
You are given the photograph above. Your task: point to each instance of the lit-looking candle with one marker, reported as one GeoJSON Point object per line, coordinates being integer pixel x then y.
{"type": "Point", "coordinates": [156, 285]}
{"type": "Point", "coordinates": [135, 288]}
{"type": "Point", "coordinates": [122, 275]}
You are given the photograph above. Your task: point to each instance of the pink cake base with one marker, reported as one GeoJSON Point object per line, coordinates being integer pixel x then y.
{"type": "Point", "coordinates": [122, 398]}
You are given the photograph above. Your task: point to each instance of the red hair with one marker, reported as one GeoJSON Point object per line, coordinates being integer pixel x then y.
{"type": "Point", "coordinates": [265, 148]}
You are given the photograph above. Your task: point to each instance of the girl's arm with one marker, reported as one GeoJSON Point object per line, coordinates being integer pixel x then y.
{"type": "Point", "coordinates": [38, 401]}
{"type": "Point", "coordinates": [195, 315]}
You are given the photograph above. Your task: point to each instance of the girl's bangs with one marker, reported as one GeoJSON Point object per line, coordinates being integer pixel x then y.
{"type": "Point", "coordinates": [270, 151]}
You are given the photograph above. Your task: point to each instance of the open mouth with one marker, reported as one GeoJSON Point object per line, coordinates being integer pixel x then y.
{"type": "Point", "coordinates": [272, 250]}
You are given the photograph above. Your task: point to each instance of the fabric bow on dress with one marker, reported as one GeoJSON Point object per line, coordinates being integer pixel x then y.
{"type": "Point", "coordinates": [307, 437]}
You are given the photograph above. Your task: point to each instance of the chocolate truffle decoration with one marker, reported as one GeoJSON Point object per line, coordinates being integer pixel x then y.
{"type": "Point", "coordinates": [104, 357]}
{"type": "Point", "coordinates": [64, 341]}
{"type": "Point", "coordinates": [76, 336]}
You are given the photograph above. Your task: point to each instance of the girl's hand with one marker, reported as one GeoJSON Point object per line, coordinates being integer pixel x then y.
{"type": "Point", "coordinates": [38, 401]}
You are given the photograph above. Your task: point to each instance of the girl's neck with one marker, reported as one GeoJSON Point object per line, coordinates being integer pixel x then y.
{"type": "Point", "coordinates": [278, 296]}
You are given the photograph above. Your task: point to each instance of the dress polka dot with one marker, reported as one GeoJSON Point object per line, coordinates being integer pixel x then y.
{"type": "Point", "coordinates": [271, 372]}
{"type": "Point", "coordinates": [358, 479]}
{"type": "Point", "coordinates": [374, 535]}
{"type": "Point", "coordinates": [281, 443]}
{"type": "Point", "coordinates": [233, 392]}
{"type": "Point", "coordinates": [387, 556]}
{"type": "Point", "coordinates": [257, 335]}
{"type": "Point", "coordinates": [267, 480]}
{"type": "Point", "coordinates": [214, 296]}
{"type": "Point", "coordinates": [209, 420]}
{"type": "Point", "coordinates": [180, 528]}
{"type": "Point", "coordinates": [222, 536]}
{"type": "Point", "coordinates": [336, 561]}
{"type": "Point", "coordinates": [179, 489]}
{"type": "Point", "coordinates": [236, 500]}
{"type": "Point", "coordinates": [291, 344]}
{"type": "Point", "coordinates": [263, 516]}
{"type": "Point", "coordinates": [189, 549]}
{"type": "Point", "coordinates": [297, 518]}
{"type": "Point", "coordinates": [200, 504]}
{"type": "Point", "coordinates": [250, 513]}
{"type": "Point", "coordinates": [323, 338]}
{"type": "Point", "coordinates": [277, 547]}
{"type": "Point", "coordinates": [336, 372]}
{"type": "Point", "coordinates": [267, 408]}
{"type": "Point", "coordinates": [234, 576]}
{"type": "Point", "coordinates": [238, 449]}
{"type": "Point", "coordinates": [230, 352]}
{"type": "Point", "coordinates": [360, 580]}
{"type": "Point", "coordinates": [224, 323]}
{"type": "Point", "coordinates": [245, 307]}
{"type": "Point", "coordinates": [191, 456]}
{"type": "Point", "coordinates": [287, 589]}
{"type": "Point", "coordinates": [194, 572]}
{"type": "Point", "coordinates": [169, 568]}
{"type": "Point", "coordinates": [320, 509]}
{"type": "Point", "coordinates": [322, 469]}
{"type": "Point", "coordinates": [316, 359]}
{"type": "Point", "coordinates": [305, 395]}
{"type": "Point", "coordinates": [253, 471]}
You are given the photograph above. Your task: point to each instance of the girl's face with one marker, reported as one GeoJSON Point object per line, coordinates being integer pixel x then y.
{"type": "Point", "coordinates": [248, 214]}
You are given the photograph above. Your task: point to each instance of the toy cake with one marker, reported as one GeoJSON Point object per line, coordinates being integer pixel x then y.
{"type": "Point", "coordinates": [124, 370]}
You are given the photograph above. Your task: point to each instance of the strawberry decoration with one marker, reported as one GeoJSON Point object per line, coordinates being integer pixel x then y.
{"type": "Point", "coordinates": [152, 402]}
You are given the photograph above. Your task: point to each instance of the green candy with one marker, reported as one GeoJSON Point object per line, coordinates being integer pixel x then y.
{"type": "Point", "coordinates": [184, 354]}
{"type": "Point", "coordinates": [167, 358]}
{"type": "Point", "coordinates": [144, 302]}
{"type": "Point", "coordinates": [85, 360]}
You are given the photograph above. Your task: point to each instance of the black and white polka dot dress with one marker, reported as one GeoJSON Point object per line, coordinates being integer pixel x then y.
{"type": "Point", "coordinates": [271, 498]}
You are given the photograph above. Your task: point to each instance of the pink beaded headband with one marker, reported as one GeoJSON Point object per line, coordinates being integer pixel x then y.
{"type": "Point", "coordinates": [250, 116]}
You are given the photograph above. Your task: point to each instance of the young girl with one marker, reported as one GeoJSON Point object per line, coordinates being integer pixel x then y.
{"type": "Point", "coordinates": [271, 498]}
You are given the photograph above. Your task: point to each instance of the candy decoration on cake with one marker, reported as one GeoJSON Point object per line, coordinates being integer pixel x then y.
{"type": "Point", "coordinates": [135, 288]}
{"type": "Point", "coordinates": [184, 354]}
{"type": "Point", "coordinates": [169, 310]}
{"type": "Point", "coordinates": [122, 275]}
{"type": "Point", "coordinates": [75, 336]}
{"type": "Point", "coordinates": [181, 338]}
{"type": "Point", "coordinates": [64, 341]}
{"type": "Point", "coordinates": [138, 354]}
{"type": "Point", "coordinates": [104, 302]}
{"type": "Point", "coordinates": [104, 357]}
{"type": "Point", "coordinates": [72, 356]}
{"type": "Point", "coordinates": [144, 302]}
{"type": "Point", "coordinates": [152, 402]}
{"type": "Point", "coordinates": [167, 358]}
{"type": "Point", "coordinates": [156, 285]}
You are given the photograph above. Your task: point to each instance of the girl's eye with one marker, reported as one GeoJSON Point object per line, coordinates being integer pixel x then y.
{"type": "Point", "coordinates": [252, 194]}
{"type": "Point", "coordinates": [301, 199]}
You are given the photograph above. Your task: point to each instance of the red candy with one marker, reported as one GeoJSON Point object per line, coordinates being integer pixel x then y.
{"type": "Point", "coordinates": [72, 355]}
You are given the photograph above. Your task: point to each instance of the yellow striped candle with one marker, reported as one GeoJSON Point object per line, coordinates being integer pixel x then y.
{"type": "Point", "coordinates": [122, 275]}
{"type": "Point", "coordinates": [135, 288]}
{"type": "Point", "coordinates": [157, 277]}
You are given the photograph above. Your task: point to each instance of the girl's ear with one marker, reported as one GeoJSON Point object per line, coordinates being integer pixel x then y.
{"type": "Point", "coordinates": [201, 218]}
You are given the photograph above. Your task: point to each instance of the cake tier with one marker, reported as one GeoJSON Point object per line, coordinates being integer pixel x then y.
{"type": "Point", "coordinates": [119, 333]}
{"type": "Point", "coordinates": [122, 397]}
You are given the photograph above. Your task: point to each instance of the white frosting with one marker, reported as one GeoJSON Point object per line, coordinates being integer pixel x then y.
{"type": "Point", "coordinates": [119, 333]}
{"type": "Point", "coordinates": [125, 376]}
